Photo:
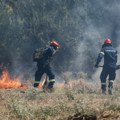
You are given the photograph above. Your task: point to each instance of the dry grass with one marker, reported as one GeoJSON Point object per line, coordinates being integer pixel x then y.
{"type": "Point", "coordinates": [77, 99]}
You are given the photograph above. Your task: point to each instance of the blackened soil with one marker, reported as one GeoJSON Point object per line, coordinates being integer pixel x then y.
{"type": "Point", "coordinates": [82, 117]}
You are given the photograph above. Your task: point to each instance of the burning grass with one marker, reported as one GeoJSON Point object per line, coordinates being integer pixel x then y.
{"type": "Point", "coordinates": [76, 100]}
{"type": "Point", "coordinates": [7, 82]}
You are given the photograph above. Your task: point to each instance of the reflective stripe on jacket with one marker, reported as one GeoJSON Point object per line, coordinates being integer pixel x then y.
{"type": "Point", "coordinates": [110, 56]}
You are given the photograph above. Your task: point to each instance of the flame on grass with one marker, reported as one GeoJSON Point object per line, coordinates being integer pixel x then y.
{"type": "Point", "coordinates": [7, 82]}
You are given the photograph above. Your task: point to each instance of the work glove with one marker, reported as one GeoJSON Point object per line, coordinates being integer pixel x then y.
{"type": "Point", "coordinates": [96, 65]}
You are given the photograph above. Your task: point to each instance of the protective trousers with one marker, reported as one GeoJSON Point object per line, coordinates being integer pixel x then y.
{"type": "Point", "coordinates": [38, 75]}
{"type": "Point", "coordinates": [104, 74]}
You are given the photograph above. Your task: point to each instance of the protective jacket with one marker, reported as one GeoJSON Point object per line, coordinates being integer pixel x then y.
{"type": "Point", "coordinates": [110, 56]}
{"type": "Point", "coordinates": [47, 56]}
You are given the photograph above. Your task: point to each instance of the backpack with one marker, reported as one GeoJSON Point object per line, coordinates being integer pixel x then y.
{"type": "Point", "coordinates": [38, 54]}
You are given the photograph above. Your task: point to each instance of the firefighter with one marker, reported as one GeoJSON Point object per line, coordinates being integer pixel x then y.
{"type": "Point", "coordinates": [109, 68]}
{"type": "Point", "coordinates": [43, 65]}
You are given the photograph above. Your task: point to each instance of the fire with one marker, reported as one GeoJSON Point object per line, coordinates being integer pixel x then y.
{"type": "Point", "coordinates": [40, 86]}
{"type": "Point", "coordinates": [7, 82]}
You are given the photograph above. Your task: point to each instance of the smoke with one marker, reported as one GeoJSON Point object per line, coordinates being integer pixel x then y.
{"type": "Point", "coordinates": [80, 26]}
{"type": "Point", "coordinates": [94, 21]}
{"type": "Point", "coordinates": [104, 23]}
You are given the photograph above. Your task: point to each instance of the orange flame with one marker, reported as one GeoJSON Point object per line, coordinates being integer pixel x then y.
{"type": "Point", "coordinates": [7, 82]}
{"type": "Point", "coordinates": [40, 86]}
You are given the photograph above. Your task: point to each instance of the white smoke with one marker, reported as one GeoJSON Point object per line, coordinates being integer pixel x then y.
{"type": "Point", "coordinates": [101, 21]}
{"type": "Point", "coordinates": [93, 20]}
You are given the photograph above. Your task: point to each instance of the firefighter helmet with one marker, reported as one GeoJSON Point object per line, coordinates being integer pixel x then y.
{"type": "Point", "coordinates": [107, 41]}
{"type": "Point", "coordinates": [55, 44]}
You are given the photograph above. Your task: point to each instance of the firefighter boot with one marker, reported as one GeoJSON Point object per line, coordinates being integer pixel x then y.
{"type": "Point", "coordinates": [103, 87]}
{"type": "Point", "coordinates": [36, 83]}
{"type": "Point", "coordinates": [50, 85]}
{"type": "Point", "coordinates": [110, 87]}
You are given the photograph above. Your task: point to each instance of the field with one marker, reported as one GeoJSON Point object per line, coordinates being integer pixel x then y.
{"type": "Point", "coordinates": [75, 100]}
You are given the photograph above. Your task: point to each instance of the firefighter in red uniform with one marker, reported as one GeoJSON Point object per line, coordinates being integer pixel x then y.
{"type": "Point", "coordinates": [109, 68]}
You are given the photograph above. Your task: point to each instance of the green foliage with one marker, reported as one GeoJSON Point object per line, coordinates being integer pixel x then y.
{"type": "Point", "coordinates": [24, 23]}
{"type": "Point", "coordinates": [77, 24]}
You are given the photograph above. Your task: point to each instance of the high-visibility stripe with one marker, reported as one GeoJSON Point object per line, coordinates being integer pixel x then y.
{"type": "Point", "coordinates": [111, 81]}
{"type": "Point", "coordinates": [103, 83]}
{"type": "Point", "coordinates": [102, 53]}
{"type": "Point", "coordinates": [36, 81]}
{"type": "Point", "coordinates": [110, 51]}
{"type": "Point", "coordinates": [53, 80]}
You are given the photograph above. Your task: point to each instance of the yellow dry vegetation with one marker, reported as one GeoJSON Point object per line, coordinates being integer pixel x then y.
{"type": "Point", "coordinates": [77, 99]}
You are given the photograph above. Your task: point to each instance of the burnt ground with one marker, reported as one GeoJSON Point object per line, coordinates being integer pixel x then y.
{"type": "Point", "coordinates": [82, 117]}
